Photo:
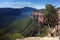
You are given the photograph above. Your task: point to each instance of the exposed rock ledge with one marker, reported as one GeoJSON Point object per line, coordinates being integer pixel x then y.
{"type": "Point", "coordinates": [39, 38]}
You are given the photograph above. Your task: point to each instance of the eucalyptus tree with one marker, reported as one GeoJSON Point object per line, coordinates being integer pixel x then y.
{"type": "Point", "coordinates": [51, 15]}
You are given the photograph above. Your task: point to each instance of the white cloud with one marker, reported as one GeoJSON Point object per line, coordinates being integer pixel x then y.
{"type": "Point", "coordinates": [20, 5]}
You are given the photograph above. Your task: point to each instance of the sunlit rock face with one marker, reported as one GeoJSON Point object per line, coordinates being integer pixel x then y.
{"type": "Point", "coordinates": [58, 11]}
{"type": "Point", "coordinates": [38, 16]}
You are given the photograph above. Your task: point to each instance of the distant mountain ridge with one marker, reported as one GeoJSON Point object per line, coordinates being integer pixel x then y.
{"type": "Point", "coordinates": [8, 15]}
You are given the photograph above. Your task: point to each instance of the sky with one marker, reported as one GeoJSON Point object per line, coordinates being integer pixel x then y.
{"type": "Point", "coordinates": [38, 4]}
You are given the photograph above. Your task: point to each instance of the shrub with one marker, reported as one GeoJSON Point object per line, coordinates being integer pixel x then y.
{"type": "Point", "coordinates": [42, 35]}
{"type": "Point", "coordinates": [16, 35]}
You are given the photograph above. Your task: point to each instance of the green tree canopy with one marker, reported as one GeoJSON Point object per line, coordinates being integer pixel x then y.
{"type": "Point", "coordinates": [51, 15]}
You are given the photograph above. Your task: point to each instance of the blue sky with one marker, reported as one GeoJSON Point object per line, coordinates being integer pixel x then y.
{"type": "Point", "coordinates": [38, 4]}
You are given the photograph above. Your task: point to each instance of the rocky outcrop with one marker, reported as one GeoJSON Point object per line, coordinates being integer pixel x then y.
{"type": "Point", "coordinates": [38, 16]}
{"type": "Point", "coordinates": [40, 38]}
